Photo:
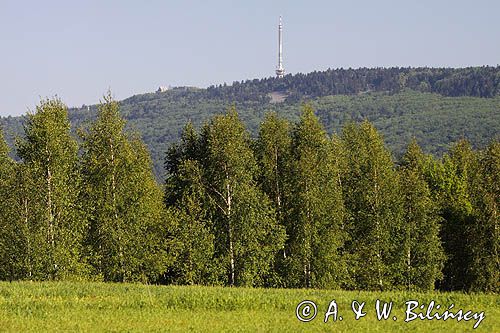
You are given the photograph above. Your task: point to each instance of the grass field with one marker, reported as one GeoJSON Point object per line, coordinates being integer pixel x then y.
{"type": "Point", "coordinates": [89, 307]}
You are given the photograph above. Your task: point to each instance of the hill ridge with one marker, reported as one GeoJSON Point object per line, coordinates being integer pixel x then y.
{"type": "Point", "coordinates": [435, 105]}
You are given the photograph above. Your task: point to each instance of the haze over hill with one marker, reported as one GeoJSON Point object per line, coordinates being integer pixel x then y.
{"type": "Point", "coordinates": [437, 106]}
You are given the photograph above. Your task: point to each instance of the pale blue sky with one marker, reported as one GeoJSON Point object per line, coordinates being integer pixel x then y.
{"type": "Point", "coordinates": [79, 49]}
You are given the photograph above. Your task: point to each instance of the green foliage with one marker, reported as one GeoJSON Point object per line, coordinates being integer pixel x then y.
{"type": "Point", "coordinates": [18, 234]}
{"type": "Point", "coordinates": [435, 121]}
{"type": "Point", "coordinates": [243, 219]}
{"type": "Point", "coordinates": [454, 180]}
{"type": "Point", "coordinates": [370, 187]}
{"type": "Point", "coordinates": [192, 242]}
{"type": "Point", "coordinates": [11, 266]}
{"type": "Point", "coordinates": [472, 81]}
{"type": "Point", "coordinates": [422, 246]}
{"type": "Point", "coordinates": [455, 103]}
{"type": "Point", "coordinates": [123, 202]}
{"type": "Point", "coordinates": [484, 232]}
{"type": "Point", "coordinates": [49, 193]}
{"type": "Point", "coordinates": [4, 149]}
{"type": "Point", "coordinates": [191, 239]}
{"type": "Point", "coordinates": [273, 153]}
{"type": "Point", "coordinates": [246, 235]}
{"type": "Point", "coordinates": [293, 208]}
{"type": "Point", "coordinates": [272, 150]}
{"type": "Point", "coordinates": [463, 185]}
{"type": "Point", "coordinates": [314, 210]}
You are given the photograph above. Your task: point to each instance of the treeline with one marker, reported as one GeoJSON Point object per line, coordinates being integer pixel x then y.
{"type": "Point", "coordinates": [293, 208]}
{"type": "Point", "coordinates": [472, 81]}
{"type": "Point", "coordinates": [481, 81]}
{"type": "Point", "coordinates": [401, 102]}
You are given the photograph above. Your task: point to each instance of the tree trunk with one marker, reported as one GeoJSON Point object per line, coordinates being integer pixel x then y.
{"type": "Point", "coordinates": [276, 176]}
{"type": "Point", "coordinates": [408, 247]}
{"type": "Point", "coordinates": [113, 194]}
{"type": "Point", "coordinates": [230, 235]}
{"type": "Point", "coordinates": [28, 242]}
{"type": "Point", "coordinates": [50, 214]}
{"type": "Point", "coordinates": [378, 249]}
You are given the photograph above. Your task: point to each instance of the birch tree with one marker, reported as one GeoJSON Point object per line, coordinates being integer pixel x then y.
{"type": "Point", "coordinates": [484, 234]}
{"type": "Point", "coordinates": [191, 241]}
{"type": "Point", "coordinates": [371, 196]}
{"type": "Point", "coordinates": [424, 255]}
{"type": "Point", "coordinates": [123, 203]}
{"type": "Point", "coordinates": [273, 154]}
{"type": "Point", "coordinates": [53, 214]}
{"type": "Point", "coordinates": [11, 244]}
{"type": "Point", "coordinates": [315, 210]}
{"type": "Point", "coordinates": [246, 231]}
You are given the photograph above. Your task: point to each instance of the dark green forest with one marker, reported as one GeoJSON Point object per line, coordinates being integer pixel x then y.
{"type": "Point", "coordinates": [435, 106]}
{"type": "Point", "coordinates": [287, 204]}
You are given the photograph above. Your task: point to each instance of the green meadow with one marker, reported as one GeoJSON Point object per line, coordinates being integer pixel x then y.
{"type": "Point", "coordinates": [108, 307]}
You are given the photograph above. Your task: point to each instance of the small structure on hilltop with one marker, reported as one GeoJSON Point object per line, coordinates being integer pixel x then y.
{"type": "Point", "coordinates": [162, 89]}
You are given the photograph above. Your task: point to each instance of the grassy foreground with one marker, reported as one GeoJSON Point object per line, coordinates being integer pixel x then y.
{"type": "Point", "coordinates": [89, 307]}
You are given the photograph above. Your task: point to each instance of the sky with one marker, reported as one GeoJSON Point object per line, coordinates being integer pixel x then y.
{"type": "Point", "coordinates": [78, 50]}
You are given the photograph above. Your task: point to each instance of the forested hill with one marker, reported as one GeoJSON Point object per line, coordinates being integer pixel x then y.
{"type": "Point", "coordinates": [472, 81]}
{"type": "Point", "coordinates": [437, 106]}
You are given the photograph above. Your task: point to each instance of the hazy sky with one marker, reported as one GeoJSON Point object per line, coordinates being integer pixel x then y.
{"type": "Point", "coordinates": [79, 49]}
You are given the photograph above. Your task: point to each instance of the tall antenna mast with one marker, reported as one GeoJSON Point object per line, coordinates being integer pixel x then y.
{"type": "Point", "coordinates": [280, 71]}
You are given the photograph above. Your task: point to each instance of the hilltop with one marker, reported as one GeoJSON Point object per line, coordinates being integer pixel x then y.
{"type": "Point", "coordinates": [437, 106]}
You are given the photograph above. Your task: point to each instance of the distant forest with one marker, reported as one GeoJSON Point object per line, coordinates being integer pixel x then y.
{"type": "Point", "coordinates": [472, 81]}
{"type": "Point", "coordinates": [434, 106]}
{"type": "Point", "coordinates": [292, 207]}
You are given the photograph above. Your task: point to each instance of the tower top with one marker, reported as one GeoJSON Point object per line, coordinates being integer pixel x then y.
{"type": "Point", "coordinates": [280, 71]}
